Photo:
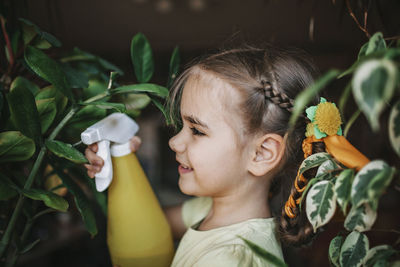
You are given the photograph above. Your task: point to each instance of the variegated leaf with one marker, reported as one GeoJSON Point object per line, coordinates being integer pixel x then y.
{"type": "Point", "coordinates": [334, 250]}
{"type": "Point", "coordinates": [320, 204]}
{"type": "Point", "coordinates": [343, 188]}
{"type": "Point", "coordinates": [360, 218]}
{"type": "Point", "coordinates": [376, 169]}
{"type": "Point", "coordinates": [328, 165]}
{"type": "Point", "coordinates": [313, 161]}
{"type": "Point", "coordinates": [378, 185]}
{"type": "Point", "coordinates": [354, 249]}
{"type": "Point", "coordinates": [375, 254]}
{"type": "Point", "coordinates": [394, 128]}
{"type": "Point", "coordinates": [373, 85]}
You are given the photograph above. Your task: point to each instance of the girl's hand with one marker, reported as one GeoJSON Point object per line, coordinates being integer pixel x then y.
{"type": "Point", "coordinates": [96, 163]}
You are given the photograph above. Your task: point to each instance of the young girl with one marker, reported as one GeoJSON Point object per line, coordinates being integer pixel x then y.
{"type": "Point", "coordinates": [234, 150]}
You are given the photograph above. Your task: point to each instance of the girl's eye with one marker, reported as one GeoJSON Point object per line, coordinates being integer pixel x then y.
{"type": "Point", "coordinates": [196, 132]}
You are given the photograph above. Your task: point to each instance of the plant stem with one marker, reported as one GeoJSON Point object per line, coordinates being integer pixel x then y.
{"type": "Point", "coordinates": [351, 121]}
{"type": "Point", "coordinates": [97, 97]}
{"type": "Point", "coordinates": [11, 225]}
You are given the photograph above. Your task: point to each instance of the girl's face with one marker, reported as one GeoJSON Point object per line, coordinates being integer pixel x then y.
{"type": "Point", "coordinates": [208, 148]}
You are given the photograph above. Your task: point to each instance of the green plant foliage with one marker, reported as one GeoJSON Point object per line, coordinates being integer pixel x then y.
{"type": "Point", "coordinates": [343, 188]}
{"type": "Point", "coordinates": [360, 218]}
{"type": "Point", "coordinates": [142, 58]}
{"type": "Point", "coordinates": [320, 204]}
{"type": "Point", "coordinates": [394, 127]}
{"type": "Point", "coordinates": [107, 105]}
{"type": "Point", "coordinates": [29, 246]}
{"type": "Point", "coordinates": [334, 250]}
{"type": "Point", "coordinates": [24, 113]}
{"type": "Point", "coordinates": [373, 85]}
{"type": "Point", "coordinates": [66, 151]}
{"type": "Point", "coordinates": [354, 249]}
{"type": "Point", "coordinates": [75, 78]}
{"type": "Point", "coordinates": [307, 95]}
{"type": "Point", "coordinates": [174, 64]}
{"type": "Point", "coordinates": [50, 199]}
{"type": "Point", "coordinates": [326, 167]}
{"type": "Point", "coordinates": [150, 88]}
{"type": "Point", "coordinates": [22, 82]}
{"type": "Point", "coordinates": [86, 117]}
{"type": "Point", "coordinates": [370, 182]}
{"type": "Point", "coordinates": [81, 201]}
{"type": "Point", "coordinates": [269, 257]}
{"type": "Point", "coordinates": [313, 161]}
{"type": "Point", "coordinates": [33, 30]}
{"type": "Point", "coordinates": [14, 146]}
{"type": "Point", "coordinates": [48, 69]}
{"type": "Point", "coordinates": [377, 254]}
{"type": "Point", "coordinates": [47, 112]}
{"type": "Point", "coordinates": [6, 188]}
{"type": "Point", "coordinates": [51, 92]}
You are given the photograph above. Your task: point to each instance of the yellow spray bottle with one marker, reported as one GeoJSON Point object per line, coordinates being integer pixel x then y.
{"type": "Point", "coordinates": [138, 233]}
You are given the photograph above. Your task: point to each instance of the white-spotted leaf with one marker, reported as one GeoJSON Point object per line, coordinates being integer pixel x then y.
{"type": "Point", "coordinates": [354, 249]}
{"type": "Point", "coordinates": [313, 161]}
{"type": "Point", "coordinates": [394, 127]}
{"type": "Point", "coordinates": [343, 188]}
{"type": "Point", "coordinates": [325, 167]}
{"type": "Point", "coordinates": [360, 218]}
{"type": "Point", "coordinates": [67, 151]}
{"type": "Point", "coordinates": [378, 253]}
{"type": "Point", "coordinates": [373, 85]}
{"type": "Point", "coordinates": [334, 250]}
{"type": "Point", "coordinates": [320, 204]}
{"type": "Point", "coordinates": [362, 191]}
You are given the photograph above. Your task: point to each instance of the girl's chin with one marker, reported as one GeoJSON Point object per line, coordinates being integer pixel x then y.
{"type": "Point", "coordinates": [186, 186]}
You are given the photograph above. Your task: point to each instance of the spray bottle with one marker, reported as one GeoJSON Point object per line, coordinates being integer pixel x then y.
{"type": "Point", "coordinates": [138, 233]}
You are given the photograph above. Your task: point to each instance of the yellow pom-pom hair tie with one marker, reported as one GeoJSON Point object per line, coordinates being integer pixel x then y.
{"type": "Point", "coordinates": [325, 127]}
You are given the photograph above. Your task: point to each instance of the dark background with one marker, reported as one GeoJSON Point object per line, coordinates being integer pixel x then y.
{"type": "Point", "coordinates": [322, 28]}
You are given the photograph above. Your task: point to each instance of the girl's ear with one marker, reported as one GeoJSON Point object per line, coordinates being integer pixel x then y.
{"type": "Point", "coordinates": [267, 154]}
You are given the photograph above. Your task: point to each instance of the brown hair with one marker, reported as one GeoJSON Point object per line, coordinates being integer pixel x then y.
{"type": "Point", "coordinates": [269, 79]}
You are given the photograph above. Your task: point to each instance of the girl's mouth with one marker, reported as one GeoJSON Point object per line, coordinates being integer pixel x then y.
{"type": "Point", "coordinates": [183, 169]}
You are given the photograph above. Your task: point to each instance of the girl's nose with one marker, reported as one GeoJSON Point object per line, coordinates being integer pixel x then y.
{"type": "Point", "coordinates": [176, 143]}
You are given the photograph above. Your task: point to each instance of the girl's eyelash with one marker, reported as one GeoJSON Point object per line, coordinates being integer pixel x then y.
{"type": "Point", "coordinates": [196, 132]}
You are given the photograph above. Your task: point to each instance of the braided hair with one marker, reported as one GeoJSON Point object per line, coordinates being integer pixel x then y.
{"type": "Point", "coordinates": [268, 80]}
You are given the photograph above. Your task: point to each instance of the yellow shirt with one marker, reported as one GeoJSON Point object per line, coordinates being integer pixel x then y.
{"type": "Point", "coordinates": [222, 246]}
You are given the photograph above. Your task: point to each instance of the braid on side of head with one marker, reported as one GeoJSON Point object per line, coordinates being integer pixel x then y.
{"type": "Point", "coordinates": [276, 97]}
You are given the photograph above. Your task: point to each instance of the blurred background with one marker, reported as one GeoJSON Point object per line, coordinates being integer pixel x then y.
{"type": "Point", "coordinates": [324, 29]}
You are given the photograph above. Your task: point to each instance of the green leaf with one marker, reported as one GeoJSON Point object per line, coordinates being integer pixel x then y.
{"type": "Point", "coordinates": [48, 69]}
{"type": "Point", "coordinates": [29, 246]}
{"type": "Point", "coordinates": [261, 252]}
{"type": "Point", "coordinates": [86, 117]}
{"type": "Point", "coordinates": [308, 186]}
{"type": "Point", "coordinates": [394, 127]}
{"type": "Point", "coordinates": [6, 188]}
{"type": "Point", "coordinates": [142, 58]}
{"type": "Point", "coordinates": [95, 87]}
{"type": "Point", "coordinates": [173, 66]}
{"type": "Point", "coordinates": [304, 98]}
{"type": "Point", "coordinates": [50, 199]}
{"type": "Point", "coordinates": [360, 218]}
{"type": "Point", "coordinates": [373, 85]}
{"type": "Point", "coordinates": [370, 182]}
{"type": "Point", "coordinates": [136, 101]}
{"type": "Point", "coordinates": [67, 151]}
{"type": "Point", "coordinates": [75, 78]}
{"type": "Point", "coordinates": [81, 201]}
{"type": "Point", "coordinates": [313, 161]}
{"type": "Point", "coordinates": [142, 88]}
{"type": "Point", "coordinates": [343, 98]}
{"type": "Point", "coordinates": [29, 27]}
{"type": "Point", "coordinates": [51, 92]}
{"type": "Point", "coordinates": [354, 249]}
{"type": "Point", "coordinates": [343, 188]}
{"type": "Point", "coordinates": [22, 82]}
{"type": "Point", "coordinates": [14, 146]}
{"type": "Point", "coordinates": [320, 204]}
{"type": "Point", "coordinates": [24, 113]}
{"type": "Point", "coordinates": [47, 112]}
{"type": "Point", "coordinates": [162, 109]}
{"type": "Point", "coordinates": [334, 250]}
{"type": "Point", "coordinates": [375, 254]}
{"type": "Point", "coordinates": [326, 167]}
{"type": "Point", "coordinates": [41, 44]}
{"type": "Point", "coordinates": [376, 43]}
{"type": "Point", "coordinates": [107, 105]}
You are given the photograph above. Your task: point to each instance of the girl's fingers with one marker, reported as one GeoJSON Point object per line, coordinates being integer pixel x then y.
{"type": "Point", "coordinates": [135, 143]}
{"type": "Point", "coordinates": [94, 147]}
{"type": "Point", "coordinates": [93, 158]}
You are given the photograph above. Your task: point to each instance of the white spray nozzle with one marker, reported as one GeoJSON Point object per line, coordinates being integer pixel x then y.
{"type": "Point", "coordinates": [118, 129]}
